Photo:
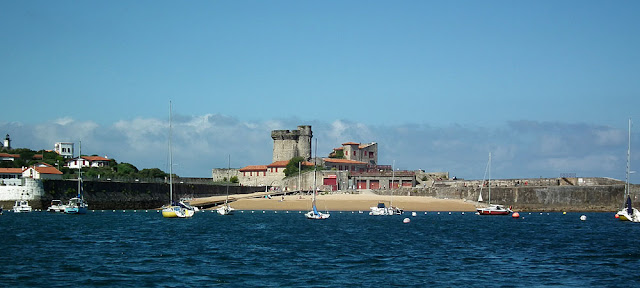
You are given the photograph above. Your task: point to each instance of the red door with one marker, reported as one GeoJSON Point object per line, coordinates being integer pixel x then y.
{"type": "Point", "coordinates": [374, 184]}
{"type": "Point", "coordinates": [331, 182]}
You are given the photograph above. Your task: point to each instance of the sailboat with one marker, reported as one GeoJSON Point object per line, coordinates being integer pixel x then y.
{"type": "Point", "coordinates": [77, 205]}
{"type": "Point", "coordinates": [494, 209]}
{"type": "Point", "coordinates": [226, 209]}
{"type": "Point", "coordinates": [314, 214]}
{"type": "Point", "coordinates": [180, 209]}
{"type": "Point", "coordinates": [628, 213]}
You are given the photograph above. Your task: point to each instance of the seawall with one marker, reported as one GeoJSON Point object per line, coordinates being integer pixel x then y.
{"type": "Point", "coordinates": [599, 198]}
{"type": "Point", "coordinates": [124, 195]}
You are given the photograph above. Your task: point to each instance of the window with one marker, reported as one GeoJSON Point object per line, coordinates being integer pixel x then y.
{"type": "Point", "coordinates": [354, 153]}
{"type": "Point", "coordinates": [371, 154]}
{"type": "Point", "coordinates": [244, 173]}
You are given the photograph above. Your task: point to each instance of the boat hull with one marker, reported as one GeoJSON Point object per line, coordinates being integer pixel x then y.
{"type": "Point", "coordinates": [316, 216]}
{"type": "Point", "coordinates": [177, 212]}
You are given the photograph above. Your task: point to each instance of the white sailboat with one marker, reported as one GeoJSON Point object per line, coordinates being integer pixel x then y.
{"type": "Point", "coordinates": [628, 213]}
{"type": "Point", "coordinates": [180, 209]}
{"type": "Point", "coordinates": [314, 214]}
{"type": "Point", "coordinates": [494, 209]}
{"type": "Point", "coordinates": [77, 205]}
{"type": "Point", "coordinates": [226, 209]}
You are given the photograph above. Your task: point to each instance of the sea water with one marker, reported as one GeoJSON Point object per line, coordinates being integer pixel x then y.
{"type": "Point", "coordinates": [280, 249]}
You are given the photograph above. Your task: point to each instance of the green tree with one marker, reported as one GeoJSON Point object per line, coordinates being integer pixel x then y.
{"type": "Point", "coordinates": [338, 154]}
{"type": "Point", "coordinates": [126, 170]}
{"type": "Point", "coordinates": [292, 166]}
{"type": "Point", "coordinates": [152, 173]}
{"type": "Point", "coordinates": [234, 179]}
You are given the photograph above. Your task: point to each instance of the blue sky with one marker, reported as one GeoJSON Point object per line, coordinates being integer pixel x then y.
{"type": "Point", "coordinates": [546, 86]}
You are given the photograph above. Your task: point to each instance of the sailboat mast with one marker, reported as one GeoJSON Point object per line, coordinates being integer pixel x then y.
{"type": "Point", "coordinates": [489, 201]}
{"type": "Point", "coordinates": [170, 157]}
{"type": "Point", "coordinates": [79, 169]}
{"type": "Point", "coordinates": [626, 187]}
{"type": "Point", "coordinates": [315, 169]}
{"type": "Point", "coordinates": [226, 201]}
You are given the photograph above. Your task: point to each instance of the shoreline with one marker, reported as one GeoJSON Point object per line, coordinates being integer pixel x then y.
{"type": "Point", "coordinates": [350, 202]}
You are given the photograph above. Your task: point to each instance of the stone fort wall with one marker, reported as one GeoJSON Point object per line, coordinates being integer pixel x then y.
{"type": "Point", "coordinates": [292, 143]}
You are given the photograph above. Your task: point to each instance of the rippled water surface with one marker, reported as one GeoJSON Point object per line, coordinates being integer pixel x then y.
{"type": "Point", "coordinates": [116, 249]}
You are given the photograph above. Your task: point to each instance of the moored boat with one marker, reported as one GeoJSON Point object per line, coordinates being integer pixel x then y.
{"type": "Point", "coordinates": [56, 206]}
{"type": "Point", "coordinates": [314, 214]}
{"type": "Point", "coordinates": [494, 210]}
{"type": "Point", "coordinates": [76, 205]}
{"type": "Point", "coordinates": [628, 213]}
{"type": "Point", "coordinates": [173, 209]}
{"type": "Point", "coordinates": [490, 209]}
{"type": "Point", "coordinates": [21, 206]}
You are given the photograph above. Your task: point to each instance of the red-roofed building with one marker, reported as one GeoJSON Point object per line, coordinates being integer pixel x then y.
{"type": "Point", "coordinates": [87, 161]}
{"type": "Point", "coordinates": [344, 164]}
{"type": "Point", "coordinates": [42, 171]}
{"type": "Point", "coordinates": [8, 157]}
{"type": "Point", "coordinates": [367, 152]}
{"type": "Point", "coordinates": [10, 173]}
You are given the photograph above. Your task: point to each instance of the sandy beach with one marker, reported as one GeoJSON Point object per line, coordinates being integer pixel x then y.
{"type": "Point", "coordinates": [348, 202]}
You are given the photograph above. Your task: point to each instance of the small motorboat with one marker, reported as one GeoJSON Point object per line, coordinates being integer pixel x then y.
{"type": "Point", "coordinates": [22, 206]}
{"type": "Point", "coordinates": [56, 206]}
{"type": "Point", "coordinates": [494, 210]}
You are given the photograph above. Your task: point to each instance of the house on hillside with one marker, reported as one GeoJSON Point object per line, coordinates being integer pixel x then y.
{"type": "Point", "coordinates": [87, 161]}
{"type": "Point", "coordinates": [65, 149]}
{"type": "Point", "coordinates": [42, 171]}
{"type": "Point", "coordinates": [10, 173]}
{"type": "Point", "coordinates": [8, 157]}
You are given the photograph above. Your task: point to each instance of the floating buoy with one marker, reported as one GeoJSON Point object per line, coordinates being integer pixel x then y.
{"type": "Point", "coordinates": [583, 217]}
{"type": "Point", "coordinates": [123, 211]}
{"type": "Point", "coordinates": [616, 216]}
{"type": "Point", "coordinates": [462, 213]}
{"type": "Point", "coordinates": [252, 211]}
{"type": "Point", "coordinates": [414, 214]}
{"type": "Point", "coordinates": [438, 213]}
{"type": "Point", "coordinates": [515, 215]}
{"type": "Point", "coordinates": [135, 211]}
{"type": "Point", "coordinates": [114, 210]}
{"type": "Point", "coordinates": [406, 220]}
{"type": "Point", "coordinates": [564, 213]}
{"type": "Point", "coordinates": [425, 213]}
{"type": "Point", "coordinates": [449, 213]}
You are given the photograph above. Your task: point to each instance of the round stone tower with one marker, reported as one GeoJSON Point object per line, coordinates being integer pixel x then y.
{"type": "Point", "coordinates": [291, 143]}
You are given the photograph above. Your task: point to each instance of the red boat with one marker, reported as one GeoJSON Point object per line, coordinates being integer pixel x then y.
{"type": "Point", "coordinates": [494, 210]}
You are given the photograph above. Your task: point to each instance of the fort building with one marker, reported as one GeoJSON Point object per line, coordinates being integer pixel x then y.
{"type": "Point", "coordinates": [292, 143]}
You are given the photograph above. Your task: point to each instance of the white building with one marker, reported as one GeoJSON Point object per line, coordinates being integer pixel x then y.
{"type": "Point", "coordinates": [87, 161]}
{"type": "Point", "coordinates": [65, 149]}
{"type": "Point", "coordinates": [42, 171]}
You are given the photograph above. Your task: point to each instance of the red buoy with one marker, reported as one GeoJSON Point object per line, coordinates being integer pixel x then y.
{"type": "Point", "coordinates": [515, 215]}
{"type": "Point", "coordinates": [617, 216]}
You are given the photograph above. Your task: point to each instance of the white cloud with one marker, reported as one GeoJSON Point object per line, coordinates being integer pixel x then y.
{"type": "Point", "coordinates": [520, 149]}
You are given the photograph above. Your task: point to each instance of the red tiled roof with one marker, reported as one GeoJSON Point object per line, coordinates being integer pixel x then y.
{"type": "Point", "coordinates": [10, 155]}
{"type": "Point", "coordinates": [254, 168]}
{"type": "Point", "coordinates": [47, 170]}
{"type": "Point", "coordinates": [279, 164]}
{"type": "Point", "coordinates": [307, 163]}
{"type": "Point", "coordinates": [95, 158]}
{"type": "Point", "coordinates": [343, 161]}
{"type": "Point", "coordinates": [350, 143]}
{"type": "Point", "coordinates": [10, 170]}
{"type": "Point", "coordinates": [339, 148]}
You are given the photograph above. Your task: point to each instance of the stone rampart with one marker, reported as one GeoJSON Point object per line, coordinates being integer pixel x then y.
{"type": "Point", "coordinates": [125, 195]}
{"type": "Point", "coordinates": [534, 198]}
